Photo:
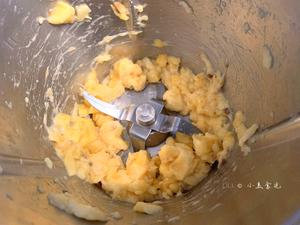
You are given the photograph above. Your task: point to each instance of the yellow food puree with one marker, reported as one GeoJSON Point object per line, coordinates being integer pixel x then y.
{"type": "Point", "coordinates": [88, 141]}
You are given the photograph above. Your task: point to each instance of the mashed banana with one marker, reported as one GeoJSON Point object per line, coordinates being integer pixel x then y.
{"type": "Point", "coordinates": [120, 10]}
{"type": "Point", "coordinates": [88, 141]}
{"type": "Point", "coordinates": [83, 12]}
{"type": "Point", "coordinates": [159, 43]}
{"type": "Point", "coordinates": [147, 208]}
{"type": "Point", "coordinates": [63, 12]}
{"type": "Point", "coordinates": [242, 132]}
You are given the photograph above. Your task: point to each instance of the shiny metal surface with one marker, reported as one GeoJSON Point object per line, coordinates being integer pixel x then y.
{"type": "Point", "coordinates": [231, 32]}
{"type": "Point", "coordinates": [143, 110]}
{"type": "Point", "coordinates": [145, 114]}
{"type": "Point", "coordinates": [107, 108]}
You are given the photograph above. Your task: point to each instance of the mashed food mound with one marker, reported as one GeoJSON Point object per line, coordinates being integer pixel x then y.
{"type": "Point", "coordinates": [88, 141]}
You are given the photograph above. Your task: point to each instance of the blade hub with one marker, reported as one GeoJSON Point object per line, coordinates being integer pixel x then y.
{"type": "Point", "coordinates": [145, 114]}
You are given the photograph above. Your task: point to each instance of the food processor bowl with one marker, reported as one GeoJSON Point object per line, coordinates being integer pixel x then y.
{"type": "Point", "coordinates": [237, 36]}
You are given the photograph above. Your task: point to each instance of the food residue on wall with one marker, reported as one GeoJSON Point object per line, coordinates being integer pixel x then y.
{"type": "Point", "coordinates": [186, 7]}
{"type": "Point", "coordinates": [26, 99]}
{"type": "Point", "coordinates": [243, 133]}
{"type": "Point", "coordinates": [147, 208]}
{"type": "Point", "coordinates": [104, 56]}
{"type": "Point", "coordinates": [140, 7]}
{"type": "Point", "coordinates": [141, 20]}
{"type": "Point", "coordinates": [120, 10]}
{"type": "Point", "coordinates": [109, 38]}
{"type": "Point", "coordinates": [83, 12]}
{"type": "Point", "coordinates": [268, 58]}
{"type": "Point", "coordinates": [1, 170]}
{"type": "Point", "coordinates": [64, 13]}
{"type": "Point", "coordinates": [41, 19]}
{"type": "Point", "coordinates": [173, 219]}
{"type": "Point", "coordinates": [159, 43]}
{"type": "Point", "coordinates": [61, 13]}
{"type": "Point", "coordinates": [48, 162]}
{"type": "Point", "coordinates": [116, 215]}
{"type": "Point", "coordinates": [68, 204]}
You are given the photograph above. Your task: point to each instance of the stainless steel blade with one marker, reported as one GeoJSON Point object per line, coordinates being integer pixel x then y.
{"type": "Point", "coordinates": [102, 106]}
{"type": "Point", "coordinates": [152, 91]}
{"type": "Point", "coordinates": [173, 124]}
